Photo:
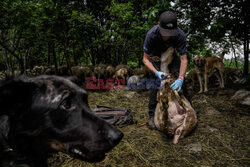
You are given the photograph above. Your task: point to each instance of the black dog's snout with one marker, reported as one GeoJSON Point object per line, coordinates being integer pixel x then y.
{"type": "Point", "coordinates": [114, 136]}
{"type": "Point", "coordinates": [110, 133]}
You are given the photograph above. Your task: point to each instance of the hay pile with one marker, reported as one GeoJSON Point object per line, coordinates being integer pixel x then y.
{"type": "Point", "coordinates": [222, 137]}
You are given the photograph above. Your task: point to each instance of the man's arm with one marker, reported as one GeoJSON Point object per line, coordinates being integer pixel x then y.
{"type": "Point", "coordinates": [183, 67]}
{"type": "Point", "coordinates": [147, 63]}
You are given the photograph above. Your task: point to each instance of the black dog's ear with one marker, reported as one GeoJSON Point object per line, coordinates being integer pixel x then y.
{"type": "Point", "coordinates": [15, 95]}
{"type": "Point", "coordinates": [74, 79]}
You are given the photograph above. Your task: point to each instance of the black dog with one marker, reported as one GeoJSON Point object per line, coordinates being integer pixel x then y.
{"type": "Point", "coordinates": [48, 114]}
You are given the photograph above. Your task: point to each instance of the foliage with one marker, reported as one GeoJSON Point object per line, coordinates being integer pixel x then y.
{"type": "Point", "coordinates": [49, 32]}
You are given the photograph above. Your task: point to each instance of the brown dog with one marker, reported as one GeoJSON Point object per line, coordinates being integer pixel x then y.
{"type": "Point", "coordinates": [110, 71]}
{"type": "Point", "coordinates": [121, 73]}
{"type": "Point", "coordinates": [207, 66]}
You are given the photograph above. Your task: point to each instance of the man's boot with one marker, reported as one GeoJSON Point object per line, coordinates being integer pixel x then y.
{"type": "Point", "coordinates": [151, 124]}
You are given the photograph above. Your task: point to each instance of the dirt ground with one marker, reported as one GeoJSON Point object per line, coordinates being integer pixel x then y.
{"type": "Point", "coordinates": [222, 137]}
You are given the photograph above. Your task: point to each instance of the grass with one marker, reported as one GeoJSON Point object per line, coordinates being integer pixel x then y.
{"type": "Point", "coordinates": [227, 144]}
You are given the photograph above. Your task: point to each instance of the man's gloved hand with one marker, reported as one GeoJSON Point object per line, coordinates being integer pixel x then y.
{"type": "Point", "coordinates": [160, 75]}
{"type": "Point", "coordinates": [177, 85]}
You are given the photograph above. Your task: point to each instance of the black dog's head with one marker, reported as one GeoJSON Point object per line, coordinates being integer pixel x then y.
{"type": "Point", "coordinates": [49, 114]}
{"type": "Point", "coordinates": [199, 61]}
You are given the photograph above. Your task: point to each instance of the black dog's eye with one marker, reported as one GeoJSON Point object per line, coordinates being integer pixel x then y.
{"type": "Point", "coordinates": [66, 105]}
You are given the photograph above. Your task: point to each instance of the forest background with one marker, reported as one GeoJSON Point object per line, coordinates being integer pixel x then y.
{"type": "Point", "coordinates": [87, 32]}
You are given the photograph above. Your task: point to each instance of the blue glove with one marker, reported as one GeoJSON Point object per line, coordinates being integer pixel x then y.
{"type": "Point", "coordinates": [177, 84]}
{"type": "Point", "coordinates": [160, 75]}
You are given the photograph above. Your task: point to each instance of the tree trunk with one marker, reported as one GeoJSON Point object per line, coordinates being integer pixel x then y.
{"type": "Point", "coordinates": [11, 61]}
{"type": "Point", "coordinates": [125, 60]}
{"type": "Point", "coordinates": [25, 60]}
{"type": "Point", "coordinates": [235, 60]}
{"type": "Point", "coordinates": [108, 55]}
{"type": "Point", "coordinates": [48, 60]}
{"type": "Point", "coordinates": [61, 62]}
{"type": "Point", "coordinates": [54, 58]}
{"type": "Point", "coordinates": [231, 61]}
{"type": "Point", "coordinates": [66, 52]}
{"type": "Point", "coordinates": [246, 53]}
{"type": "Point", "coordinates": [75, 56]}
{"type": "Point", "coordinates": [5, 59]}
{"type": "Point", "coordinates": [116, 56]}
{"type": "Point", "coordinates": [92, 57]}
{"type": "Point", "coordinates": [246, 38]}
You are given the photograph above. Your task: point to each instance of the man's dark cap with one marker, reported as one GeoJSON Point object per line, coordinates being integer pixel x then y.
{"type": "Point", "coordinates": [168, 24]}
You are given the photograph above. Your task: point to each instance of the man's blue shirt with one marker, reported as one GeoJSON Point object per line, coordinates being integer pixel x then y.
{"type": "Point", "coordinates": [154, 45]}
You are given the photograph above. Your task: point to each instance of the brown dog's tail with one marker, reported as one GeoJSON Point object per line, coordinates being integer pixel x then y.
{"type": "Point", "coordinates": [223, 54]}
